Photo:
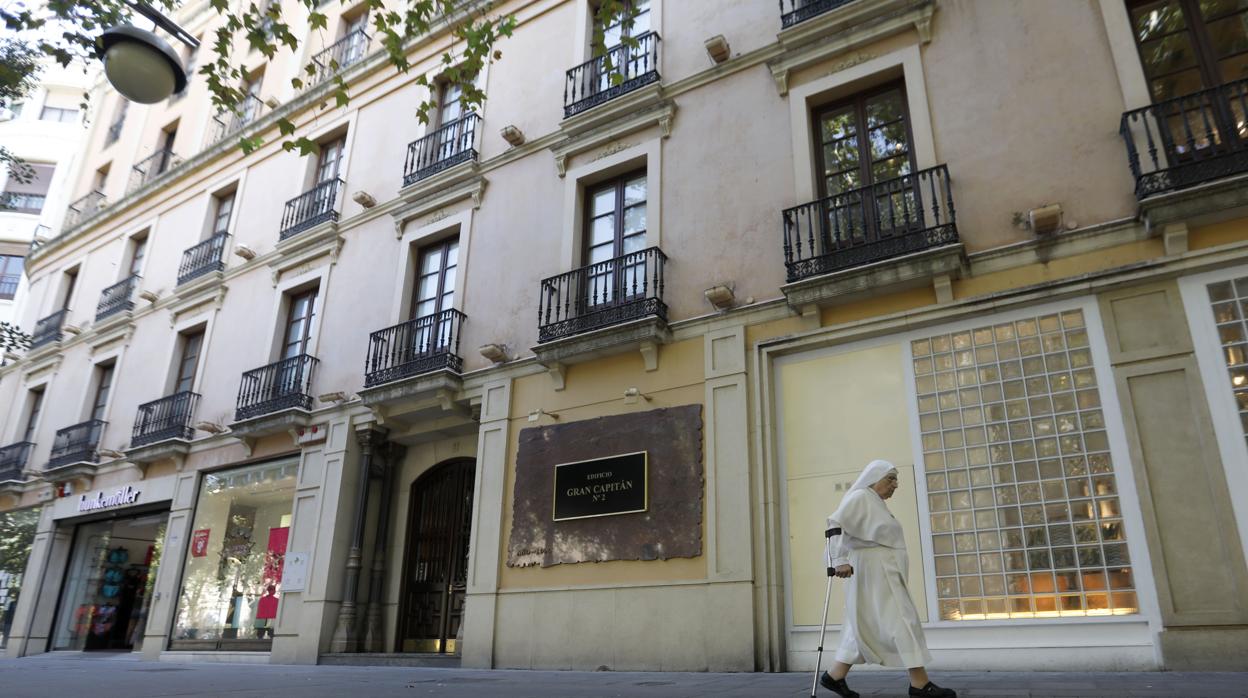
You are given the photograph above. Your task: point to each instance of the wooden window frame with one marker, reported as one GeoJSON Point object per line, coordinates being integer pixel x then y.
{"type": "Point", "coordinates": [225, 199]}
{"type": "Point", "coordinates": [195, 337]}
{"type": "Point", "coordinates": [106, 373]}
{"type": "Point", "coordinates": [1197, 31]}
{"type": "Point", "coordinates": [859, 101]}
{"type": "Point", "coordinates": [619, 183]}
{"type": "Point", "coordinates": [306, 336]}
{"type": "Point", "coordinates": [444, 245]}
{"type": "Point", "coordinates": [32, 415]}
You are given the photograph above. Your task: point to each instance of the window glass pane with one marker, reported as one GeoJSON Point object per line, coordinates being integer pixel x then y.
{"type": "Point", "coordinates": [1168, 54]}
{"type": "Point", "coordinates": [884, 109]}
{"type": "Point", "coordinates": [1217, 8]}
{"type": "Point", "coordinates": [635, 219]}
{"type": "Point", "coordinates": [1030, 465]}
{"type": "Point", "coordinates": [838, 124]}
{"type": "Point", "coordinates": [1228, 36]}
{"type": "Point", "coordinates": [635, 191]}
{"type": "Point", "coordinates": [839, 156]}
{"type": "Point", "coordinates": [602, 202]}
{"type": "Point", "coordinates": [231, 582]}
{"type": "Point", "coordinates": [1157, 18]}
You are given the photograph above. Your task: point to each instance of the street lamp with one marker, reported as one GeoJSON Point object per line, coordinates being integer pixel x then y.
{"type": "Point", "coordinates": [142, 66]}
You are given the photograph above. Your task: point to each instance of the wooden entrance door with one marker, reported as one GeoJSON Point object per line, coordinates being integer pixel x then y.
{"type": "Point", "coordinates": [435, 568]}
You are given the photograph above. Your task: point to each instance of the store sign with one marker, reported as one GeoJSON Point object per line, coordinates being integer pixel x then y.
{"type": "Point", "coordinates": [601, 487]}
{"type": "Point", "coordinates": [122, 497]}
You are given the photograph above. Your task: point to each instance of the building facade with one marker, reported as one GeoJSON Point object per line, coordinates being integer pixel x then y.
{"type": "Point", "coordinates": [572, 381]}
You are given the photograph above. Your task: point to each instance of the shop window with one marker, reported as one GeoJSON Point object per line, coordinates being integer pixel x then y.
{"type": "Point", "coordinates": [231, 585]}
{"type": "Point", "coordinates": [17, 531]}
{"type": "Point", "coordinates": [1026, 520]}
{"type": "Point", "coordinates": [1230, 312]}
{"type": "Point", "coordinates": [1189, 45]}
{"type": "Point", "coordinates": [10, 275]}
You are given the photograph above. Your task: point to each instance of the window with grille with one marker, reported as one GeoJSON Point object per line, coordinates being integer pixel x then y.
{"type": "Point", "coordinates": [1021, 491]}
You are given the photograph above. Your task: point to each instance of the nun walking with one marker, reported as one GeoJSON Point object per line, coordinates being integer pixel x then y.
{"type": "Point", "coordinates": [867, 548]}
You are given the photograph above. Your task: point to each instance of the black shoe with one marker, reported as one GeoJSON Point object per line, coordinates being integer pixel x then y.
{"type": "Point", "coordinates": [837, 686]}
{"type": "Point", "coordinates": [931, 690]}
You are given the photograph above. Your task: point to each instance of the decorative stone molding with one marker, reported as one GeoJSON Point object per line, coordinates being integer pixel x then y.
{"type": "Point", "coordinates": [284, 421]}
{"type": "Point", "coordinates": [935, 266]}
{"type": "Point", "coordinates": [644, 335]}
{"type": "Point", "coordinates": [844, 30]}
{"type": "Point", "coordinates": [642, 109]}
{"type": "Point", "coordinates": [195, 297]}
{"type": "Point", "coordinates": [43, 366]}
{"type": "Point", "coordinates": [307, 250]}
{"type": "Point", "coordinates": [427, 395]}
{"type": "Point", "coordinates": [1213, 197]}
{"type": "Point", "coordinates": [450, 177]}
{"type": "Point", "coordinates": [435, 201]}
{"type": "Point", "coordinates": [170, 449]}
{"type": "Point", "coordinates": [110, 334]}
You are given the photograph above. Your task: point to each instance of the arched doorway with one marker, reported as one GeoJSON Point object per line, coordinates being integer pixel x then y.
{"type": "Point", "coordinates": [435, 565]}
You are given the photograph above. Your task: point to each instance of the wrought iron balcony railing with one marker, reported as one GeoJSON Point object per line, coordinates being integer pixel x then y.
{"type": "Point", "coordinates": [283, 385]}
{"type": "Point", "coordinates": [592, 83]}
{"type": "Point", "coordinates": [204, 258]}
{"type": "Point", "coordinates": [796, 11]}
{"type": "Point", "coordinates": [610, 292]}
{"type": "Point", "coordinates": [152, 167]}
{"type": "Point", "coordinates": [165, 419]}
{"type": "Point", "coordinates": [311, 208]}
{"type": "Point", "coordinates": [248, 110]}
{"type": "Point", "coordinates": [84, 208]}
{"type": "Point", "coordinates": [428, 343]}
{"type": "Point", "coordinates": [48, 329]}
{"type": "Point", "coordinates": [888, 219]}
{"type": "Point", "coordinates": [1188, 140]}
{"type": "Point", "coordinates": [77, 444]}
{"type": "Point", "coordinates": [13, 460]}
{"type": "Point", "coordinates": [446, 147]}
{"type": "Point", "coordinates": [337, 56]}
{"type": "Point", "coordinates": [117, 298]}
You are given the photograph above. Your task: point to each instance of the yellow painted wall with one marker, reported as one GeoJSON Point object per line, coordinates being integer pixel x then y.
{"type": "Point", "coordinates": [839, 412]}
{"type": "Point", "coordinates": [1059, 269]}
{"type": "Point", "coordinates": [1217, 234]}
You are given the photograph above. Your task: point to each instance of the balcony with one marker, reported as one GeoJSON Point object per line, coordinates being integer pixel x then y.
{"type": "Point", "coordinates": [83, 209]}
{"type": "Point", "coordinates": [13, 460]}
{"type": "Point", "coordinates": [600, 295]}
{"type": "Point", "coordinates": [886, 220]}
{"type": "Point", "coordinates": [165, 419]}
{"type": "Point", "coordinates": [794, 12]}
{"type": "Point", "coordinates": [150, 168]}
{"type": "Point", "coordinates": [204, 258]}
{"type": "Point", "coordinates": [1188, 140]}
{"type": "Point", "coordinates": [423, 345]}
{"type": "Point", "coordinates": [593, 83]}
{"type": "Point", "coordinates": [117, 298]}
{"type": "Point", "coordinates": [446, 147]}
{"type": "Point", "coordinates": [225, 123]}
{"type": "Point", "coordinates": [77, 444]}
{"type": "Point", "coordinates": [48, 330]}
{"type": "Point", "coordinates": [337, 56]}
{"type": "Point", "coordinates": [311, 208]}
{"type": "Point", "coordinates": [284, 385]}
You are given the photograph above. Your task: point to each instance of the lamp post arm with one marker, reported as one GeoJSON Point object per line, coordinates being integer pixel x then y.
{"type": "Point", "coordinates": [163, 22]}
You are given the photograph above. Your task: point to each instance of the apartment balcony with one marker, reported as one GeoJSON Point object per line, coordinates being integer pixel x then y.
{"type": "Point", "coordinates": [226, 123]}
{"type": "Point", "coordinates": [594, 82]}
{"type": "Point", "coordinates": [13, 460]}
{"type": "Point", "coordinates": [1188, 141]}
{"type": "Point", "coordinates": [83, 209]}
{"type": "Point", "coordinates": [117, 298]}
{"type": "Point", "coordinates": [280, 386]}
{"type": "Point", "coordinates": [415, 347]}
{"type": "Point", "coordinates": [446, 147]}
{"type": "Point", "coordinates": [312, 208]}
{"type": "Point", "coordinates": [166, 419]}
{"type": "Point", "coordinates": [893, 232]}
{"type": "Point", "coordinates": [77, 444]}
{"type": "Point", "coordinates": [794, 12]}
{"type": "Point", "coordinates": [48, 330]}
{"type": "Point", "coordinates": [150, 168]}
{"type": "Point", "coordinates": [344, 52]}
{"type": "Point", "coordinates": [205, 258]}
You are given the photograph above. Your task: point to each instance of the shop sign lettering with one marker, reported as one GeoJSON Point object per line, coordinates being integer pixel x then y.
{"type": "Point", "coordinates": [601, 487]}
{"type": "Point", "coordinates": [122, 497]}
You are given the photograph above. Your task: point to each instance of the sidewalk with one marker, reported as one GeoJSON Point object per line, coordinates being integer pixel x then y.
{"type": "Point", "coordinates": [124, 677]}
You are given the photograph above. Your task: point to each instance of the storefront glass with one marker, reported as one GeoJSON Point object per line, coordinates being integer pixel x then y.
{"type": "Point", "coordinates": [231, 586]}
{"type": "Point", "coordinates": [108, 586]}
{"type": "Point", "coordinates": [17, 532]}
{"type": "Point", "coordinates": [1025, 516]}
{"type": "Point", "coordinates": [1230, 312]}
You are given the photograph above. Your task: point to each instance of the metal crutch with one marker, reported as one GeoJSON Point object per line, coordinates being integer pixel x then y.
{"type": "Point", "coordinates": [823, 627]}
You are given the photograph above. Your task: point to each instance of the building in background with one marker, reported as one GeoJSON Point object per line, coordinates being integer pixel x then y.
{"type": "Point", "coordinates": [46, 130]}
{"type": "Point", "coordinates": [572, 381]}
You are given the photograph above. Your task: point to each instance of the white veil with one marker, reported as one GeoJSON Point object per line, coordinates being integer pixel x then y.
{"type": "Point", "coordinates": [875, 471]}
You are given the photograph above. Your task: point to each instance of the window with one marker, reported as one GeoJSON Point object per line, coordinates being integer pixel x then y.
{"type": "Point", "coordinates": [615, 229]}
{"type": "Point", "coordinates": [28, 197]}
{"type": "Point", "coordinates": [101, 177]}
{"type": "Point", "coordinates": [103, 385]}
{"type": "Point", "coordinates": [167, 137]}
{"type": "Point", "coordinates": [192, 54]}
{"type": "Point", "coordinates": [32, 417]}
{"type": "Point", "coordinates": [615, 30]}
{"type": "Point", "coordinates": [1189, 45]}
{"type": "Point", "coordinates": [353, 30]}
{"type": "Point", "coordinates": [224, 206]}
{"type": "Point", "coordinates": [450, 106]}
{"type": "Point", "coordinates": [188, 361]}
{"type": "Point", "coordinates": [1025, 516]}
{"type": "Point", "coordinates": [329, 160]}
{"type": "Point", "coordinates": [119, 121]}
{"type": "Point", "coordinates": [434, 290]}
{"type": "Point", "coordinates": [863, 140]}
{"type": "Point", "coordinates": [1230, 308]}
{"type": "Point", "coordinates": [250, 107]}
{"type": "Point", "coordinates": [19, 526]}
{"type": "Point", "coordinates": [10, 275]}
{"type": "Point", "coordinates": [138, 249]}
{"type": "Point", "coordinates": [298, 336]}
{"type": "Point", "coordinates": [61, 114]}
{"type": "Point", "coordinates": [67, 287]}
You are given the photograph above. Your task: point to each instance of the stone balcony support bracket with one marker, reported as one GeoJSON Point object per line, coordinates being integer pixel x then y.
{"type": "Point", "coordinates": [938, 266]}
{"type": "Point", "coordinates": [643, 335]}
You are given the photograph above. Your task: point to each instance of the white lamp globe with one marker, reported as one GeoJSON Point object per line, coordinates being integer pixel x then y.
{"type": "Point", "coordinates": [140, 65]}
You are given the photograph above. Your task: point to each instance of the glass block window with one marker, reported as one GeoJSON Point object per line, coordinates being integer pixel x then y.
{"type": "Point", "coordinates": [1025, 516]}
{"type": "Point", "coordinates": [1230, 308]}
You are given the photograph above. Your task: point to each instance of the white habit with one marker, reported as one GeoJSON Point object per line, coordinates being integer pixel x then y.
{"type": "Point", "coordinates": [881, 624]}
